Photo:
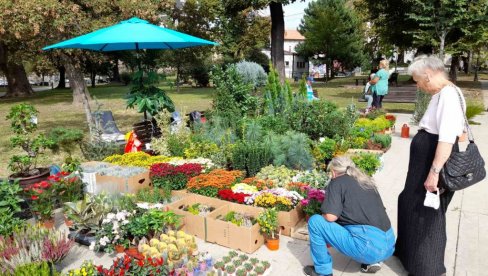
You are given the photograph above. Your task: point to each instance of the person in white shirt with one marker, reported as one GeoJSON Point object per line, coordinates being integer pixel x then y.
{"type": "Point", "coordinates": [422, 236]}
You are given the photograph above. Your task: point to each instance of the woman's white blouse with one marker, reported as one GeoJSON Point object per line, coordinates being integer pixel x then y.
{"type": "Point", "coordinates": [444, 115]}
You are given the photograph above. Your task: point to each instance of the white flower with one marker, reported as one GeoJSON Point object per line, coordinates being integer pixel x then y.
{"type": "Point", "coordinates": [105, 221]}
{"type": "Point", "coordinates": [321, 139]}
{"type": "Point", "coordinates": [103, 241]}
{"type": "Point", "coordinates": [124, 222]}
{"type": "Point", "coordinates": [120, 216]}
{"type": "Point", "coordinates": [158, 206]}
{"type": "Point", "coordinates": [143, 205]}
{"type": "Point", "coordinates": [92, 246]}
{"type": "Point", "coordinates": [116, 237]}
{"type": "Point", "coordinates": [110, 216]}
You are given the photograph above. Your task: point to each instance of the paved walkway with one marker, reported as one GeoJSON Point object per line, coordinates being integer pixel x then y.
{"type": "Point", "coordinates": [467, 221]}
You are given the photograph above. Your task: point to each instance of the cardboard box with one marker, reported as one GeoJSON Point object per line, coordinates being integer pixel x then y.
{"type": "Point", "coordinates": [300, 231]}
{"type": "Point", "coordinates": [230, 235]}
{"type": "Point", "coordinates": [287, 220]}
{"type": "Point", "coordinates": [180, 193]}
{"type": "Point", "coordinates": [195, 224]}
{"type": "Point", "coordinates": [115, 184]}
{"type": "Point", "coordinates": [97, 183]}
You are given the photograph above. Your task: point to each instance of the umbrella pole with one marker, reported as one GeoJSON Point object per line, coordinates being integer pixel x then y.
{"type": "Point", "coordinates": [139, 65]}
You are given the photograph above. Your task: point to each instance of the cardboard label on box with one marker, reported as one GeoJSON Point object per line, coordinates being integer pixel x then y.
{"type": "Point", "coordinates": [195, 224]}
{"type": "Point", "coordinates": [230, 235]}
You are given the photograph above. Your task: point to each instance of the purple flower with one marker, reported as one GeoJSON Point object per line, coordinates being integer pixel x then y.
{"type": "Point", "coordinates": [304, 202]}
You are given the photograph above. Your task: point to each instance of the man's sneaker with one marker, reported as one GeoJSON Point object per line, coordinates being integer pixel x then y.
{"type": "Point", "coordinates": [309, 270]}
{"type": "Point", "coordinates": [370, 268]}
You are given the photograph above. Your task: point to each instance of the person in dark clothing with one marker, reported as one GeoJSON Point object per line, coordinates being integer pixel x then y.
{"type": "Point", "coordinates": [353, 221]}
{"type": "Point", "coordinates": [422, 237]}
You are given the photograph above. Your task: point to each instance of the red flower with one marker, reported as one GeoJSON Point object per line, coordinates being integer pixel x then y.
{"type": "Point", "coordinates": [45, 185]}
{"type": "Point", "coordinates": [64, 173]}
{"type": "Point", "coordinates": [140, 263]}
{"type": "Point", "coordinates": [37, 185]}
{"type": "Point", "coordinates": [160, 261]}
{"type": "Point", "coordinates": [100, 269]}
{"type": "Point", "coordinates": [39, 191]}
{"type": "Point", "coordinates": [34, 197]}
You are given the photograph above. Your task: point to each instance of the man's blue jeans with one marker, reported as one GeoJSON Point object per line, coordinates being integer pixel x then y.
{"type": "Point", "coordinates": [364, 243]}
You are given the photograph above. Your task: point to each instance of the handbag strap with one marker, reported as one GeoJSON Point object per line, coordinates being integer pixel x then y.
{"type": "Point", "coordinates": [466, 123]}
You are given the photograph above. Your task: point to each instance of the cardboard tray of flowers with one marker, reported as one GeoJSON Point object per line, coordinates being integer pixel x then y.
{"type": "Point", "coordinates": [112, 179]}
{"type": "Point", "coordinates": [194, 209]}
{"type": "Point", "coordinates": [235, 226]}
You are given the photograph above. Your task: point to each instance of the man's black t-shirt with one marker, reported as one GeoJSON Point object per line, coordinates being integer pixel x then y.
{"type": "Point", "coordinates": [354, 205]}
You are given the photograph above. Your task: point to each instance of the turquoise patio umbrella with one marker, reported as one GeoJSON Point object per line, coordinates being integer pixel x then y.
{"type": "Point", "coordinates": [132, 34]}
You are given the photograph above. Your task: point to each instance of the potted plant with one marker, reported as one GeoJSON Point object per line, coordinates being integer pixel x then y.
{"type": "Point", "coordinates": [9, 207]}
{"type": "Point", "coordinates": [23, 122]}
{"type": "Point", "coordinates": [230, 269]}
{"type": "Point", "coordinates": [86, 215]}
{"type": "Point", "coordinates": [248, 267]}
{"type": "Point", "coordinates": [112, 232]}
{"type": "Point", "coordinates": [313, 201]}
{"type": "Point", "coordinates": [43, 199]}
{"type": "Point", "coordinates": [268, 222]}
{"type": "Point", "coordinates": [67, 139]}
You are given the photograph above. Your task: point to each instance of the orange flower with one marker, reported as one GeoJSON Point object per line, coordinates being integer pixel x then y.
{"type": "Point", "coordinates": [218, 178]}
{"type": "Point", "coordinates": [259, 183]}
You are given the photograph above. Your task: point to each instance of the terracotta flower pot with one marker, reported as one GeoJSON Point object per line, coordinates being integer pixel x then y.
{"type": "Point", "coordinates": [273, 244]}
{"type": "Point", "coordinates": [119, 248]}
{"type": "Point", "coordinates": [68, 222]}
{"type": "Point", "coordinates": [49, 224]}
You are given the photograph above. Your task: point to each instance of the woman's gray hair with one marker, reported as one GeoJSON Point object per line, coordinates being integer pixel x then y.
{"type": "Point", "coordinates": [344, 165]}
{"type": "Point", "coordinates": [420, 63]}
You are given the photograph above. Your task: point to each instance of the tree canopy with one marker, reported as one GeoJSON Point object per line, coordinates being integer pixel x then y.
{"type": "Point", "coordinates": [332, 29]}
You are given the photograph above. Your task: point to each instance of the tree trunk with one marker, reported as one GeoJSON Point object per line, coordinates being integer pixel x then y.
{"type": "Point", "coordinates": [115, 71]}
{"type": "Point", "coordinates": [62, 77]}
{"type": "Point", "coordinates": [80, 91]}
{"type": "Point", "coordinates": [441, 46]}
{"type": "Point", "coordinates": [178, 78]}
{"type": "Point", "coordinates": [18, 84]}
{"type": "Point", "coordinates": [278, 38]}
{"type": "Point", "coordinates": [92, 78]}
{"type": "Point", "coordinates": [469, 62]}
{"type": "Point", "coordinates": [454, 68]}
{"type": "Point", "coordinates": [476, 67]}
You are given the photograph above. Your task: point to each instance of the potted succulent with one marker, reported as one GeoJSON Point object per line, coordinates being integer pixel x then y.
{"type": "Point", "coordinates": [230, 269]}
{"type": "Point", "coordinates": [248, 267]}
{"type": "Point", "coordinates": [23, 122]}
{"type": "Point", "coordinates": [268, 222]}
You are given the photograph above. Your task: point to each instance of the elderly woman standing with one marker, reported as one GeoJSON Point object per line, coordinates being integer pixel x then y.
{"type": "Point", "coordinates": [422, 237]}
{"type": "Point", "coordinates": [380, 84]}
{"type": "Point", "coordinates": [353, 221]}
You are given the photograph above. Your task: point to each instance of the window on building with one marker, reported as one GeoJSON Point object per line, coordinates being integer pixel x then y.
{"type": "Point", "coordinates": [300, 64]}
{"type": "Point", "coordinates": [287, 63]}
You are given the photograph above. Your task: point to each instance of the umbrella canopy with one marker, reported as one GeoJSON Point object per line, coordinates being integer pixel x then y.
{"type": "Point", "coordinates": [132, 34]}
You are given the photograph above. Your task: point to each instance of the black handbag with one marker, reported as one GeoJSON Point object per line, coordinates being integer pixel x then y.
{"type": "Point", "coordinates": [463, 168]}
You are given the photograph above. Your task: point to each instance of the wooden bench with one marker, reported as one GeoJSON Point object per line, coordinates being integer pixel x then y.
{"type": "Point", "coordinates": [358, 79]}
{"type": "Point", "coordinates": [399, 94]}
{"type": "Point", "coordinates": [145, 131]}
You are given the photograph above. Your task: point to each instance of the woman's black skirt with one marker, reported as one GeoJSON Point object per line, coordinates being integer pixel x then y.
{"type": "Point", "coordinates": [421, 241]}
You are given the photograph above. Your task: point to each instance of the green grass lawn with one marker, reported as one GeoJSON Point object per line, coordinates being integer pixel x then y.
{"type": "Point", "coordinates": [56, 109]}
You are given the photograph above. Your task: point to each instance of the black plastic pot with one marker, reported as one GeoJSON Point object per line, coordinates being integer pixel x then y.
{"type": "Point", "coordinates": [81, 238]}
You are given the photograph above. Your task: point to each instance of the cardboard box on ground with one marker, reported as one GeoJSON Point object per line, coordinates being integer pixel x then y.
{"type": "Point", "coordinates": [288, 220]}
{"type": "Point", "coordinates": [195, 224]}
{"type": "Point", "coordinates": [230, 235]}
{"type": "Point", "coordinates": [96, 183]}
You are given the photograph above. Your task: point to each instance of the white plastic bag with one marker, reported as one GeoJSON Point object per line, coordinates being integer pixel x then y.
{"type": "Point", "coordinates": [432, 200]}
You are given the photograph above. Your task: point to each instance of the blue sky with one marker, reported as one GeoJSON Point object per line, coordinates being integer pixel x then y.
{"type": "Point", "coordinates": [293, 13]}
